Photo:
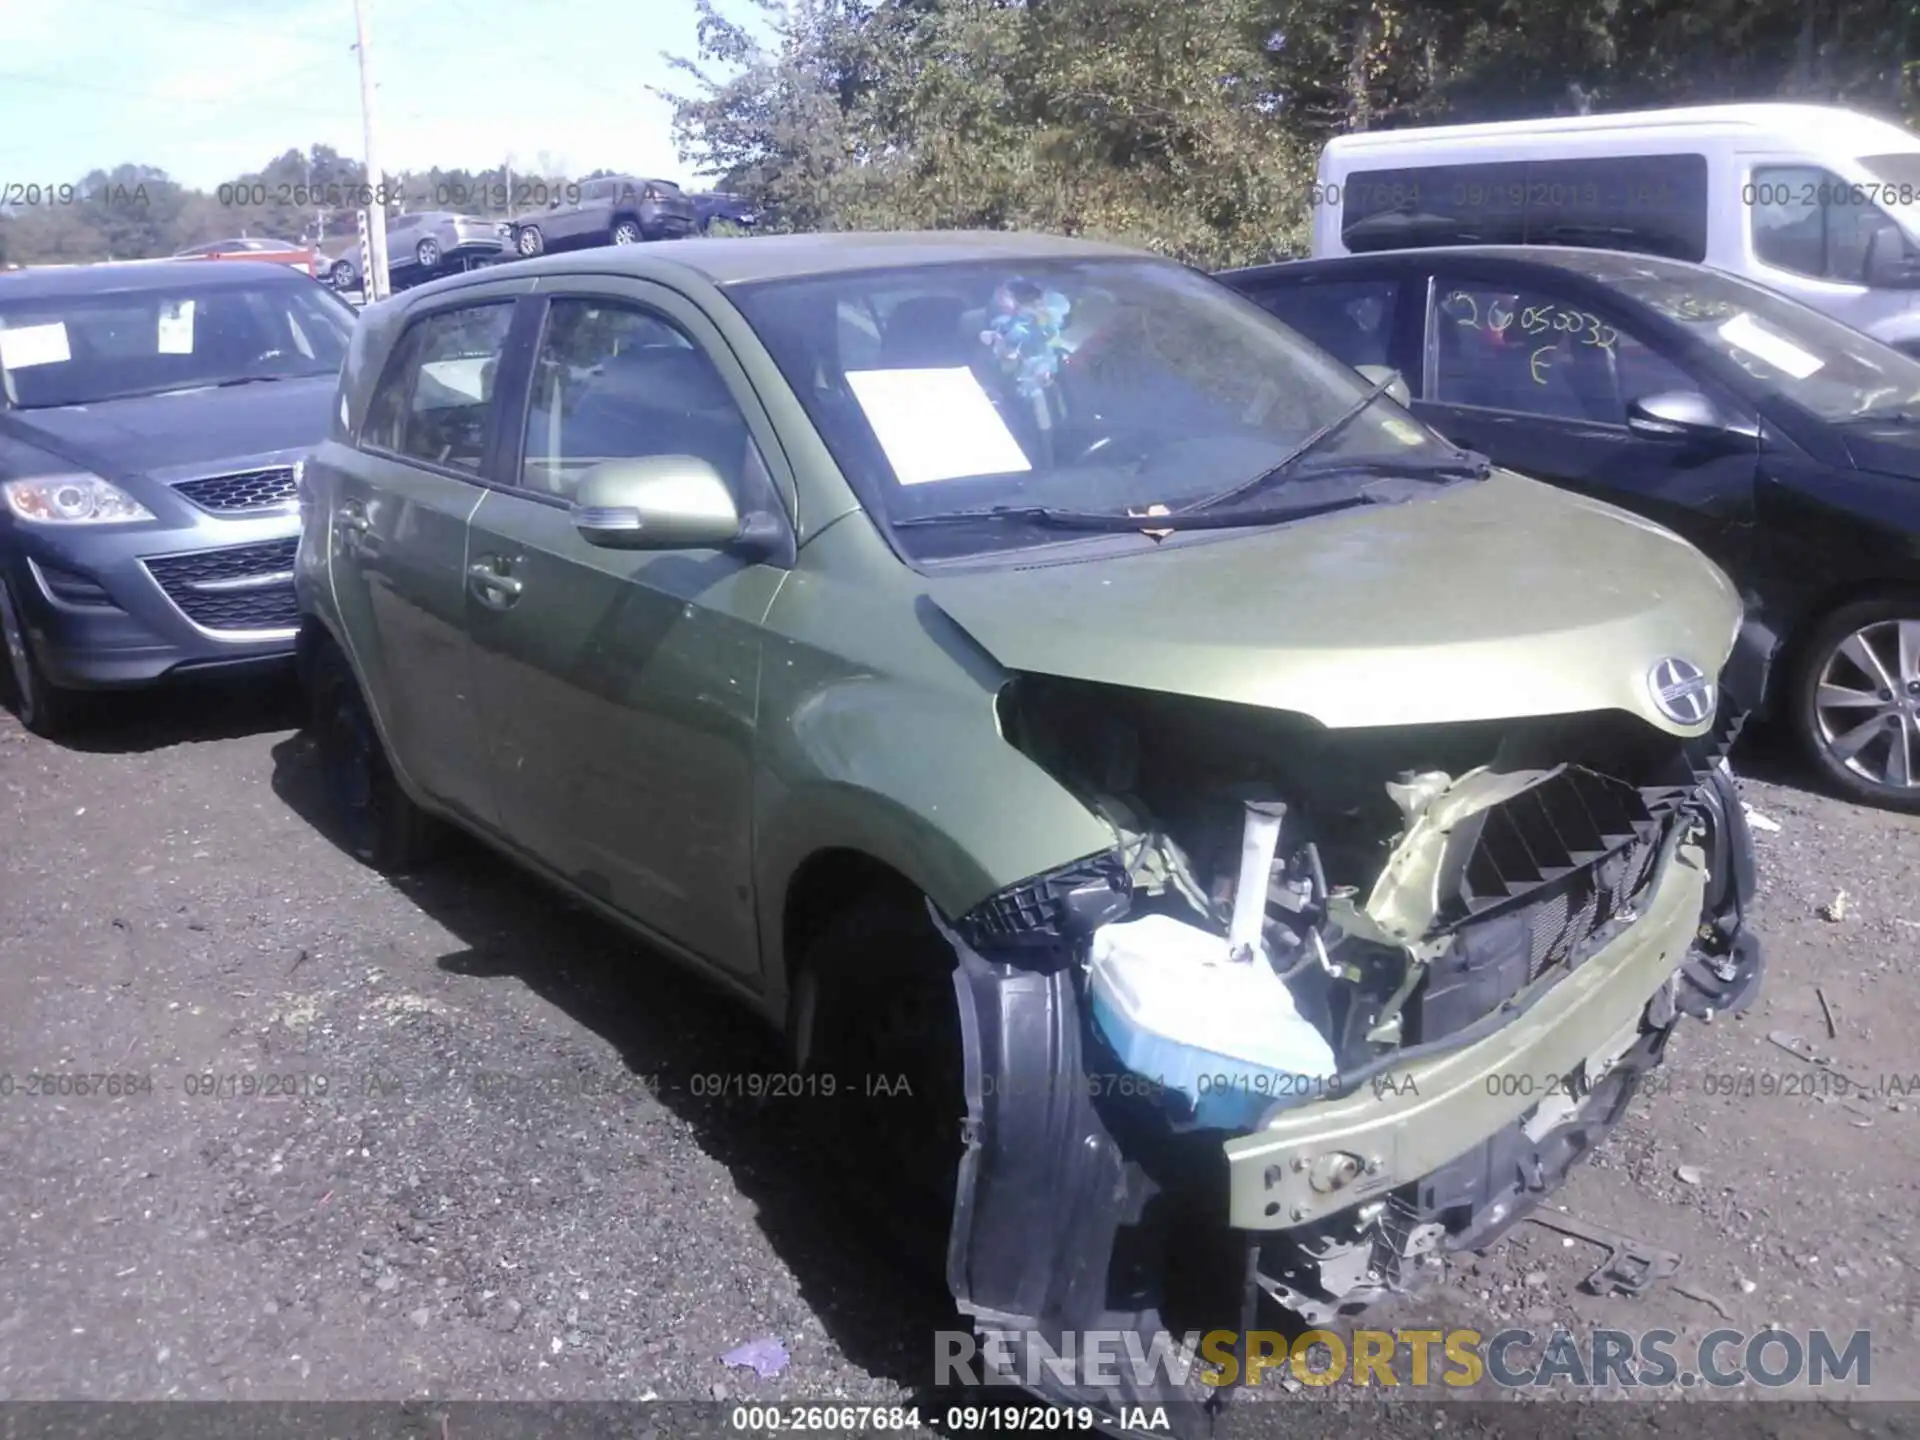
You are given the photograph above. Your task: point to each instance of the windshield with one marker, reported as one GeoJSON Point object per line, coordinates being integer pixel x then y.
{"type": "Point", "coordinates": [1822, 366]}
{"type": "Point", "coordinates": [1106, 386]}
{"type": "Point", "coordinates": [86, 349]}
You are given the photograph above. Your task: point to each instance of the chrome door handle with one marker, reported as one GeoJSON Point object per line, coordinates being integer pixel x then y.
{"type": "Point", "coordinates": [491, 587]}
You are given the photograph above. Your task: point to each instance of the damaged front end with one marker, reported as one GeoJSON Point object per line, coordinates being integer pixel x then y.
{"type": "Point", "coordinates": [1481, 935]}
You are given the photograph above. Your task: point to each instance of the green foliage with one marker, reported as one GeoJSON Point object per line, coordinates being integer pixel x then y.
{"type": "Point", "coordinates": [1190, 126]}
{"type": "Point", "coordinates": [1186, 126]}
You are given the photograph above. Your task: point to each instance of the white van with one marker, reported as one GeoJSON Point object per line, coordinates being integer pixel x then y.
{"type": "Point", "coordinates": [1820, 203]}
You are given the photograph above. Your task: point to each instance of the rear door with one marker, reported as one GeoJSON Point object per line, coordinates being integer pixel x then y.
{"type": "Point", "coordinates": [1356, 316]}
{"type": "Point", "coordinates": [619, 687]}
{"type": "Point", "coordinates": [398, 541]}
{"type": "Point", "coordinates": [1538, 377]}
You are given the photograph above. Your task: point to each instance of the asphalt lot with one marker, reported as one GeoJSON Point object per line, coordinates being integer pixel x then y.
{"type": "Point", "coordinates": [449, 1137]}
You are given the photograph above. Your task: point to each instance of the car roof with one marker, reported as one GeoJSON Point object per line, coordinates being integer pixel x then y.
{"type": "Point", "coordinates": [1584, 263]}
{"type": "Point", "coordinates": [744, 260]}
{"type": "Point", "coordinates": [1835, 125]}
{"type": "Point", "coordinates": [134, 276]}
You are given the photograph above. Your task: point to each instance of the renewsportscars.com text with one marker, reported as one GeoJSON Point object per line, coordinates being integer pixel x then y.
{"type": "Point", "coordinates": [1414, 1359]}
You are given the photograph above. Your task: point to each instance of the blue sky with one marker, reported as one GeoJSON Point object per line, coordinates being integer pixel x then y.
{"type": "Point", "coordinates": [208, 89]}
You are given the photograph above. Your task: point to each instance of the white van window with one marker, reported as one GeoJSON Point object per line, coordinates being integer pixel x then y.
{"type": "Point", "coordinates": [1811, 222]}
{"type": "Point", "coordinates": [1530, 352]}
{"type": "Point", "coordinates": [1656, 204]}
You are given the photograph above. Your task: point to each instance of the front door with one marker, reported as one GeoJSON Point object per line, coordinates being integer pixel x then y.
{"type": "Point", "coordinates": [398, 538]}
{"type": "Point", "coordinates": [1807, 233]}
{"type": "Point", "coordinates": [1539, 381]}
{"type": "Point", "coordinates": [618, 686]}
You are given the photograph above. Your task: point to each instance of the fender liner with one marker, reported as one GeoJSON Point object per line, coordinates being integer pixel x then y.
{"type": "Point", "coordinates": [1054, 1228]}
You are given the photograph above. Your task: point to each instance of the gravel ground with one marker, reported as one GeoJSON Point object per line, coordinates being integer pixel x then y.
{"type": "Point", "coordinates": [443, 1137]}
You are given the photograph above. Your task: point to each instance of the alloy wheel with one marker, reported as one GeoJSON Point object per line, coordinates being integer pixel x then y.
{"type": "Point", "coordinates": [428, 254]}
{"type": "Point", "coordinates": [527, 242]}
{"type": "Point", "coordinates": [1866, 703]}
{"type": "Point", "coordinates": [626, 233]}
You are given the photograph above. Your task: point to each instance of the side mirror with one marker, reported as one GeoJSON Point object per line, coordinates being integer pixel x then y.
{"type": "Point", "coordinates": [1396, 382]}
{"type": "Point", "coordinates": [661, 502]}
{"type": "Point", "coordinates": [554, 203]}
{"type": "Point", "coordinates": [1890, 262]}
{"type": "Point", "coordinates": [1684, 415]}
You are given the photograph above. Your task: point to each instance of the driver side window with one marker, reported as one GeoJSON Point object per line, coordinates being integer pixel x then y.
{"type": "Point", "coordinates": [615, 382]}
{"type": "Point", "coordinates": [1811, 222]}
{"type": "Point", "coordinates": [1536, 353]}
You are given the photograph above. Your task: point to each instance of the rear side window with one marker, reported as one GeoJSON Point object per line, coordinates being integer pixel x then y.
{"type": "Point", "coordinates": [1651, 203]}
{"type": "Point", "coordinates": [1352, 320]}
{"type": "Point", "coordinates": [434, 401]}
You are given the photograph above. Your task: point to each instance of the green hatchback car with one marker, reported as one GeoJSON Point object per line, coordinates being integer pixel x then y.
{"type": "Point", "coordinates": [1165, 794]}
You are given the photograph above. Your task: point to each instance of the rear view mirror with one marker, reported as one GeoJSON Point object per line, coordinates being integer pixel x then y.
{"type": "Point", "coordinates": [661, 502]}
{"type": "Point", "coordinates": [1890, 261]}
{"type": "Point", "coordinates": [1395, 382]}
{"type": "Point", "coordinates": [1684, 415]}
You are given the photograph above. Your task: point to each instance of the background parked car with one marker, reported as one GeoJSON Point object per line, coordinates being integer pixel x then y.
{"type": "Point", "coordinates": [712, 205]}
{"type": "Point", "coordinates": [337, 262]}
{"type": "Point", "coordinates": [295, 254]}
{"type": "Point", "coordinates": [614, 210]}
{"type": "Point", "coordinates": [428, 240]}
{"type": "Point", "coordinates": [1783, 443]}
{"type": "Point", "coordinates": [148, 512]}
{"type": "Point", "coordinates": [240, 245]}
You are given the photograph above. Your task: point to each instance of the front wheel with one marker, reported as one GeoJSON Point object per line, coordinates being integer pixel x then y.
{"type": "Point", "coordinates": [427, 253]}
{"type": "Point", "coordinates": [1857, 700]}
{"type": "Point", "coordinates": [343, 277]}
{"type": "Point", "coordinates": [43, 707]}
{"type": "Point", "coordinates": [376, 821]}
{"type": "Point", "coordinates": [528, 241]}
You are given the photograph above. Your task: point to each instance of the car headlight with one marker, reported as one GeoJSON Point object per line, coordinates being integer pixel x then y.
{"type": "Point", "coordinates": [72, 500]}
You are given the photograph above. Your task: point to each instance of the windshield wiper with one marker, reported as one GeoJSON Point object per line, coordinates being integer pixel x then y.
{"type": "Point", "coordinates": [1294, 456]}
{"type": "Point", "coordinates": [1119, 524]}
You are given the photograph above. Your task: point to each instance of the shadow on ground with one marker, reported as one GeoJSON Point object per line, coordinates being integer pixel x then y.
{"type": "Point", "coordinates": [668, 1026]}
{"type": "Point", "coordinates": [134, 722]}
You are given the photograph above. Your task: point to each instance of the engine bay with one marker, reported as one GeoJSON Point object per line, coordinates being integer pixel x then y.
{"type": "Point", "coordinates": [1396, 856]}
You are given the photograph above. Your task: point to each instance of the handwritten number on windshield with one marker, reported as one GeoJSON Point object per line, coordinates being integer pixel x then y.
{"type": "Point", "coordinates": [1542, 319]}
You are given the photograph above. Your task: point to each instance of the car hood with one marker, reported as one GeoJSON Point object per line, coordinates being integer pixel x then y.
{"type": "Point", "coordinates": [1496, 600]}
{"type": "Point", "coordinates": [151, 434]}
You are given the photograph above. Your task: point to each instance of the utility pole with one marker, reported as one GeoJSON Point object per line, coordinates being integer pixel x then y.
{"type": "Point", "coordinates": [377, 285]}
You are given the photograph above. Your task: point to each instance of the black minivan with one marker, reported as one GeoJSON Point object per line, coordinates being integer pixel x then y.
{"type": "Point", "coordinates": [1781, 442]}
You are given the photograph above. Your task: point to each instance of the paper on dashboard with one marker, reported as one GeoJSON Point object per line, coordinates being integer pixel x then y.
{"type": "Point", "coordinates": [30, 345]}
{"type": "Point", "coordinates": [936, 424]}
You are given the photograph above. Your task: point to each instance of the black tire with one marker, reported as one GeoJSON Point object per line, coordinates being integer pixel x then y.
{"type": "Point", "coordinates": [529, 242]}
{"type": "Point", "coordinates": [626, 232]}
{"type": "Point", "coordinates": [884, 1013]}
{"type": "Point", "coordinates": [373, 817]}
{"type": "Point", "coordinates": [1868, 771]}
{"type": "Point", "coordinates": [40, 705]}
{"type": "Point", "coordinates": [427, 252]}
{"type": "Point", "coordinates": [342, 276]}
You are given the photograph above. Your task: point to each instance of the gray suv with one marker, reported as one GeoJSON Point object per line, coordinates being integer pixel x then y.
{"type": "Point", "coordinates": [152, 422]}
{"type": "Point", "coordinates": [428, 239]}
{"type": "Point", "coordinates": [614, 210]}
